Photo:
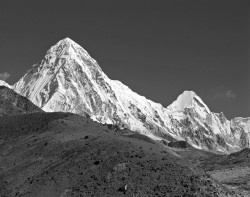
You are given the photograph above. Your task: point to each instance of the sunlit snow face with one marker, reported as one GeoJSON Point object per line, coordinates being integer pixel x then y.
{"type": "Point", "coordinates": [69, 80]}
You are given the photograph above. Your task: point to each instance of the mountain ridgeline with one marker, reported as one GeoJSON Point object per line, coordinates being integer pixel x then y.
{"type": "Point", "coordinates": [13, 103]}
{"type": "Point", "coordinates": [68, 79]}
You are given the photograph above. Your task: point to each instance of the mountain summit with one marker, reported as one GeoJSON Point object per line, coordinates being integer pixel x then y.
{"type": "Point", "coordinates": [188, 99]}
{"type": "Point", "coordinates": [68, 79]}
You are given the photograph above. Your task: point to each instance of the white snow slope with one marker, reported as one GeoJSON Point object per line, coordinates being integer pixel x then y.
{"type": "Point", "coordinates": [3, 83]}
{"type": "Point", "coordinates": [68, 79]}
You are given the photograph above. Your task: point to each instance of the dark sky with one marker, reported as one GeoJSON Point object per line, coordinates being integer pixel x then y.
{"type": "Point", "coordinates": [157, 48]}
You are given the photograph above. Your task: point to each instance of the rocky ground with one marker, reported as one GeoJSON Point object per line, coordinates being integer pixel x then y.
{"type": "Point", "coordinates": [233, 170]}
{"type": "Point", "coordinates": [13, 103]}
{"type": "Point", "coordinates": [61, 154]}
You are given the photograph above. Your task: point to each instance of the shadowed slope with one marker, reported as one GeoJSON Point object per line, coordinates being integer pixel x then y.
{"type": "Point", "coordinates": [60, 154]}
{"type": "Point", "coordinates": [13, 103]}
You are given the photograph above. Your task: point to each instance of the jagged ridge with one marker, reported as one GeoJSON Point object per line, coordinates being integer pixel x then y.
{"type": "Point", "coordinates": [68, 79]}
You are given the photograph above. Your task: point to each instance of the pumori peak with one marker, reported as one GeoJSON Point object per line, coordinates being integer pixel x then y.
{"type": "Point", "coordinates": [67, 48]}
{"type": "Point", "coordinates": [68, 79]}
{"type": "Point", "coordinates": [66, 41]}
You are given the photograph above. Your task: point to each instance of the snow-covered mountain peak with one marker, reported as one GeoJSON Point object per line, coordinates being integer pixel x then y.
{"type": "Point", "coordinates": [184, 100]}
{"type": "Point", "coordinates": [69, 40]}
{"type": "Point", "coordinates": [65, 67]}
{"type": "Point", "coordinates": [68, 79]}
{"type": "Point", "coordinates": [66, 41]}
{"type": "Point", "coordinates": [188, 99]}
{"type": "Point", "coordinates": [67, 48]}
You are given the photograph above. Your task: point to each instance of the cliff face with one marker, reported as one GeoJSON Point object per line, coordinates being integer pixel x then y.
{"type": "Point", "coordinates": [206, 129]}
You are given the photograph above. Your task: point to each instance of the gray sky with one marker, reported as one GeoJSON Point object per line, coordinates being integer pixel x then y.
{"type": "Point", "coordinates": [158, 48]}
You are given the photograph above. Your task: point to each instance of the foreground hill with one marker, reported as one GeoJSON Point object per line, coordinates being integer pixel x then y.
{"type": "Point", "coordinates": [61, 154]}
{"type": "Point", "coordinates": [13, 103]}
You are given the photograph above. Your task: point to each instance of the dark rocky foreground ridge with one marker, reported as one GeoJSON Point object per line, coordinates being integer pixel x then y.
{"type": "Point", "coordinates": [61, 154]}
{"type": "Point", "coordinates": [13, 103]}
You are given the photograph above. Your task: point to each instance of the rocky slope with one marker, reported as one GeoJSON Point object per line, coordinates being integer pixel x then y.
{"type": "Point", "coordinates": [69, 80]}
{"type": "Point", "coordinates": [231, 170]}
{"type": "Point", "coordinates": [206, 129]}
{"type": "Point", "coordinates": [62, 154]}
{"type": "Point", "coordinates": [13, 103]}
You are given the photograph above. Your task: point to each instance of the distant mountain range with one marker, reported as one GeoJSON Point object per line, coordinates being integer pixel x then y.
{"type": "Point", "coordinates": [68, 79]}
